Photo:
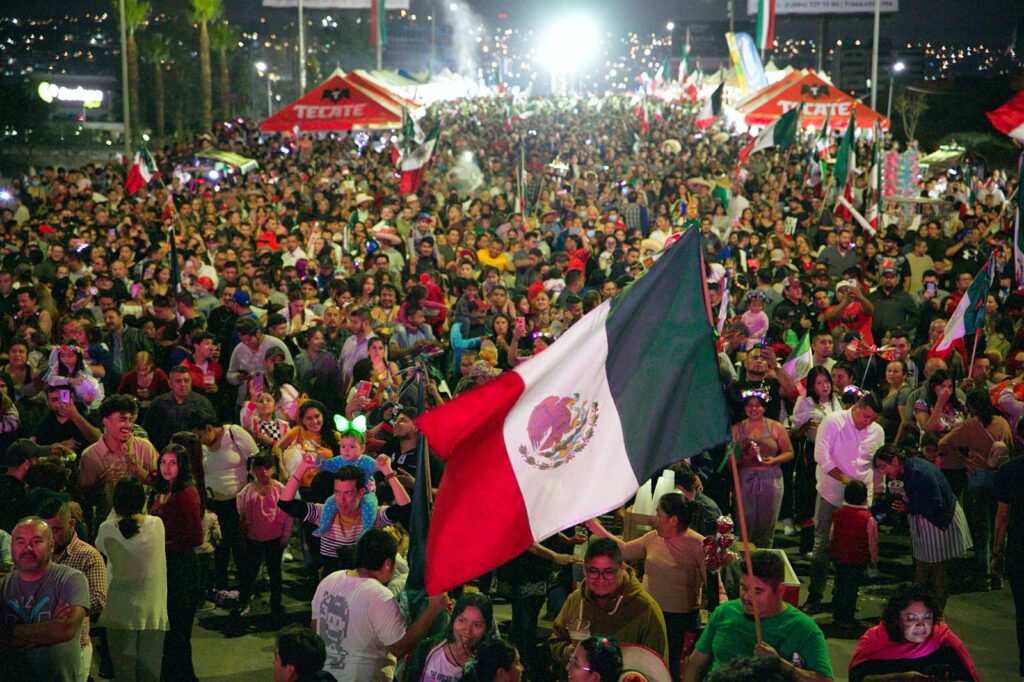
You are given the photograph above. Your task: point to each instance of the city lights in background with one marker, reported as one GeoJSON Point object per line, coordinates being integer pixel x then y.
{"type": "Point", "coordinates": [578, 49]}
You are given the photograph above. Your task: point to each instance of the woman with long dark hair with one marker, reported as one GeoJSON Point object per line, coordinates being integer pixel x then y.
{"type": "Point", "coordinates": [810, 409]}
{"type": "Point", "coordinates": [940, 411]}
{"type": "Point", "coordinates": [176, 502]}
{"type": "Point", "coordinates": [471, 622]}
{"type": "Point", "coordinates": [311, 434]}
{"type": "Point", "coordinates": [135, 614]}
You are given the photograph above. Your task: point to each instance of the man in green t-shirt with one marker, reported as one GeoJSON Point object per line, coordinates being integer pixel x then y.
{"type": "Point", "coordinates": [787, 632]}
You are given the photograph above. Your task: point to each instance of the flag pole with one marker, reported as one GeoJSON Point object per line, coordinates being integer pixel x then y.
{"type": "Point", "coordinates": [974, 351]}
{"type": "Point", "coordinates": [421, 444]}
{"type": "Point", "coordinates": [172, 235]}
{"type": "Point", "coordinates": [743, 536]}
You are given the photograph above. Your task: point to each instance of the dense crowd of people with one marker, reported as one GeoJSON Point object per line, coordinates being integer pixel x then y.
{"type": "Point", "coordinates": [221, 372]}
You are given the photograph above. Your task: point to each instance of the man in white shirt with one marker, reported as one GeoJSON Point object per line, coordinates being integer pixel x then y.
{"type": "Point", "coordinates": [843, 449]}
{"type": "Point", "coordinates": [359, 618]}
{"type": "Point", "coordinates": [293, 251]}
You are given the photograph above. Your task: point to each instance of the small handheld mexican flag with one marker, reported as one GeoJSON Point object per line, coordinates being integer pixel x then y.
{"type": "Point", "coordinates": [970, 312]}
{"type": "Point", "coordinates": [142, 171]}
{"type": "Point", "coordinates": [779, 133]}
{"type": "Point", "coordinates": [800, 361]}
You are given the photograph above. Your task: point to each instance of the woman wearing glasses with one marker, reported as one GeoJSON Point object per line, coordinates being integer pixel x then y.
{"type": "Point", "coordinates": [596, 659]}
{"type": "Point", "coordinates": [911, 640]}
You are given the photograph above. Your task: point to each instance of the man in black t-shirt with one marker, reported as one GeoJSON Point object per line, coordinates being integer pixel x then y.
{"type": "Point", "coordinates": [403, 450]}
{"type": "Point", "coordinates": [64, 424]}
{"type": "Point", "coordinates": [761, 372]}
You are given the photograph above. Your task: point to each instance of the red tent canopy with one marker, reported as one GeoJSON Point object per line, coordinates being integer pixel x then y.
{"type": "Point", "coordinates": [339, 103]}
{"type": "Point", "coordinates": [819, 98]}
{"type": "Point", "coordinates": [367, 82]}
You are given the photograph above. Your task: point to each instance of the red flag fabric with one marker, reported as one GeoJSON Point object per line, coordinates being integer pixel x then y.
{"type": "Point", "coordinates": [1009, 118]}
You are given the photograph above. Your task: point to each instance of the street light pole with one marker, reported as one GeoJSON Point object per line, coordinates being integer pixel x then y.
{"type": "Point", "coordinates": [874, 55]}
{"type": "Point", "coordinates": [896, 68]}
{"type": "Point", "coordinates": [302, 50]}
{"type": "Point", "coordinates": [433, 38]}
{"type": "Point", "coordinates": [124, 84]}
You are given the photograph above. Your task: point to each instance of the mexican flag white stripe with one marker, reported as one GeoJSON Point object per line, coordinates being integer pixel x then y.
{"type": "Point", "coordinates": [572, 432]}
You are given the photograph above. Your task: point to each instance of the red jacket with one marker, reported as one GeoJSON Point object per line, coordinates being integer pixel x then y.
{"type": "Point", "coordinates": [854, 536]}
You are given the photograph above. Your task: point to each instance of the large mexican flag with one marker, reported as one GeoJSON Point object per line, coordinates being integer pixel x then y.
{"type": "Point", "coordinates": [574, 431]}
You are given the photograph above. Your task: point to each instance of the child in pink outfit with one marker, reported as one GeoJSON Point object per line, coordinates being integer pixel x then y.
{"type": "Point", "coordinates": [755, 319]}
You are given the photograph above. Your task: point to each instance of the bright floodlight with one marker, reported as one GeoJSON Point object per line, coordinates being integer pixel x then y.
{"type": "Point", "coordinates": [260, 66]}
{"type": "Point", "coordinates": [670, 26]}
{"type": "Point", "coordinates": [454, 7]}
{"type": "Point", "coordinates": [898, 66]}
{"type": "Point", "coordinates": [569, 43]}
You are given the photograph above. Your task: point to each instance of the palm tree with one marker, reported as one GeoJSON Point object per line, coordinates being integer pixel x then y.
{"type": "Point", "coordinates": [204, 12]}
{"type": "Point", "coordinates": [156, 49]}
{"type": "Point", "coordinates": [135, 15]}
{"type": "Point", "coordinates": [224, 40]}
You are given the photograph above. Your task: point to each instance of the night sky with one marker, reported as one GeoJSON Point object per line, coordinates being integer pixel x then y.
{"type": "Point", "coordinates": [962, 21]}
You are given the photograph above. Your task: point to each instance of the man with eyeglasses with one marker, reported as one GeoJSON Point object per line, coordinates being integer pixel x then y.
{"type": "Point", "coordinates": [610, 603]}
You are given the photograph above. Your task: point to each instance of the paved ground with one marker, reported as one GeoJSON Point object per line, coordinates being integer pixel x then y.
{"type": "Point", "coordinates": [984, 620]}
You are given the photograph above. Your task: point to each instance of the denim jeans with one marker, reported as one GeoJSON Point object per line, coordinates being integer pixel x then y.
{"type": "Point", "coordinates": [819, 560]}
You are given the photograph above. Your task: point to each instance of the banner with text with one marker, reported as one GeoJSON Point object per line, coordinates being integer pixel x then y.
{"type": "Point", "coordinates": [335, 4]}
{"type": "Point", "coordinates": [826, 6]}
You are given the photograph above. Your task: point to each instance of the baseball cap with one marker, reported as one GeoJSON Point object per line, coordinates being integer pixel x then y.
{"type": "Point", "coordinates": [206, 283]}
{"type": "Point", "coordinates": [274, 352]}
{"type": "Point", "coordinates": [23, 450]}
{"type": "Point", "coordinates": [241, 297]}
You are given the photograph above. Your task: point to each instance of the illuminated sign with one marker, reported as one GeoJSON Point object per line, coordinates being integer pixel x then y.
{"type": "Point", "coordinates": [51, 92]}
{"type": "Point", "coordinates": [307, 111]}
{"type": "Point", "coordinates": [826, 6]}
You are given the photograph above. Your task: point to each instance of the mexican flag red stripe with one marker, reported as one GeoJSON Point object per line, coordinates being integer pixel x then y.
{"type": "Point", "coordinates": [574, 431]}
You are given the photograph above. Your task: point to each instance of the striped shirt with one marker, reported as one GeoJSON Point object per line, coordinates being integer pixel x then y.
{"type": "Point", "coordinates": [337, 536]}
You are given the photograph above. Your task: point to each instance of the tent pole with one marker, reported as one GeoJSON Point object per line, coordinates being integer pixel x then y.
{"type": "Point", "coordinates": [302, 50]}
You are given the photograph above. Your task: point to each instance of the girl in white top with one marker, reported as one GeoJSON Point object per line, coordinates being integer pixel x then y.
{"type": "Point", "coordinates": [136, 611]}
{"type": "Point", "coordinates": [808, 412]}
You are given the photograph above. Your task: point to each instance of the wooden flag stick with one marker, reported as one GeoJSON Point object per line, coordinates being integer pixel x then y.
{"type": "Point", "coordinates": [746, 541]}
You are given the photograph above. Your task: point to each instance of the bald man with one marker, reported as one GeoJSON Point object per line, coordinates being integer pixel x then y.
{"type": "Point", "coordinates": [42, 608]}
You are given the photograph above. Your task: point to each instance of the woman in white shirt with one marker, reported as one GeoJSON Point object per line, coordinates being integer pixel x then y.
{"type": "Point", "coordinates": [136, 611]}
{"type": "Point", "coordinates": [808, 412]}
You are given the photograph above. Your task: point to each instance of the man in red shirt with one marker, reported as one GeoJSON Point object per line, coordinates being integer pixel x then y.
{"type": "Point", "coordinates": [852, 310]}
